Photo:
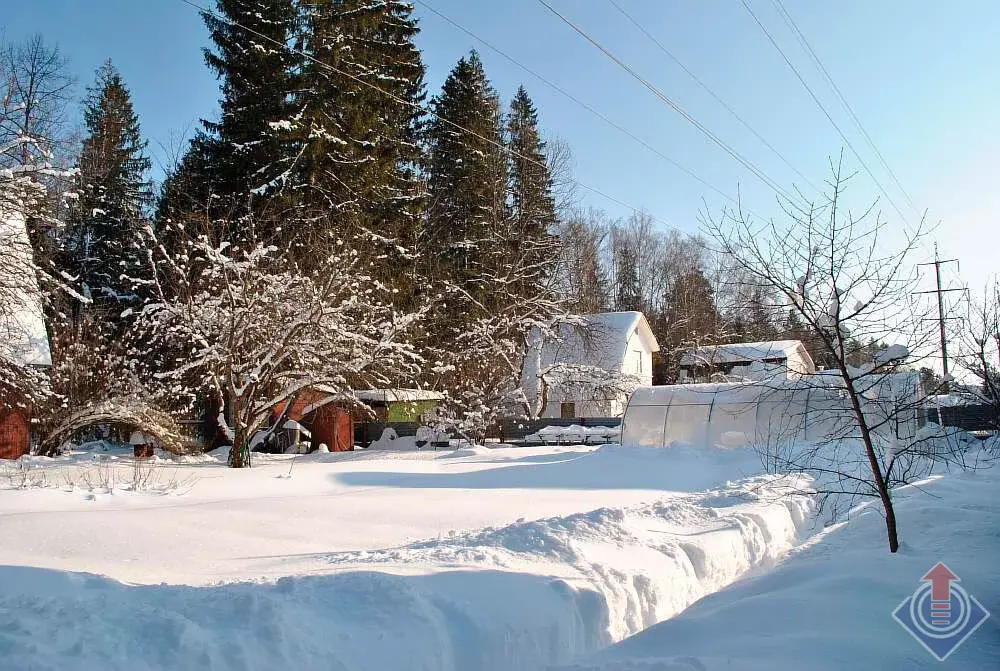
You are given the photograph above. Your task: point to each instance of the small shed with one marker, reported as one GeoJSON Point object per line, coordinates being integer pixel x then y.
{"type": "Point", "coordinates": [752, 360]}
{"type": "Point", "coordinates": [330, 415]}
{"type": "Point", "coordinates": [400, 405]}
{"type": "Point", "coordinates": [322, 413]}
{"type": "Point", "coordinates": [15, 433]}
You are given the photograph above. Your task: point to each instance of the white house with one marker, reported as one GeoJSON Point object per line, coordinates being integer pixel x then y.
{"type": "Point", "coordinates": [589, 369]}
{"type": "Point", "coordinates": [754, 360]}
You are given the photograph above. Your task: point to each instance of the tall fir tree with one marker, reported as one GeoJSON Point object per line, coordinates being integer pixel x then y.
{"type": "Point", "coordinates": [358, 121]}
{"type": "Point", "coordinates": [533, 214]}
{"type": "Point", "coordinates": [691, 319]}
{"type": "Point", "coordinates": [113, 197]}
{"type": "Point", "coordinates": [237, 163]}
{"type": "Point", "coordinates": [101, 247]}
{"type": "Point", "coordinates": [628, 295]}
{"type": "Point", "coordinates": [467, 180]}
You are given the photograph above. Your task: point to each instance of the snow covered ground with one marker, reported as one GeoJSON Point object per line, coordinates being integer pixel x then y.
{"type": "Point", "coordinates": [200, 523]}
{"type": "Point", "coordinates": [510, 559]}
{"type": "Point", "coordinates": [465, 559]}
{"type": "Point", "coordinates": [828, 605]}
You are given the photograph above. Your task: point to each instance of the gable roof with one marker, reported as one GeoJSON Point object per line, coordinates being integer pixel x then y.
{"type": "Point", "coordinates": [744, 352]}
{"type": "Point", "coordinates": [23, 338]}
{"type": "Point", "coordinates": [600, 341]}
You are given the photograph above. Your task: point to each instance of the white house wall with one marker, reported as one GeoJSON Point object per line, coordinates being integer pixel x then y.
{"type": "Point", "coordinates": [615, 346]}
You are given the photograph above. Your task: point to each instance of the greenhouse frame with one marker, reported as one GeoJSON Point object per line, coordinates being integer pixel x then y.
{"type": "Point", "coordinates": [812, 408]}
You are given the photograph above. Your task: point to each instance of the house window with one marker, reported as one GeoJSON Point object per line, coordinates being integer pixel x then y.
{"type": "Point", "coordinates": [567, 410]}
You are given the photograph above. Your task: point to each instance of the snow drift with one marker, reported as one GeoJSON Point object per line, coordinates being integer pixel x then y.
{"type": "Point", "coordinates": [828, 606]}
{"type": "Point", "coordinates": [517, 596]}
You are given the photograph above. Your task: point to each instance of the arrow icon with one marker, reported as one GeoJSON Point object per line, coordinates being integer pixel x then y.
{"type": "Point", "coordinates": [940, 578]}
{"type": "Point", "coordinates": [936, 625]}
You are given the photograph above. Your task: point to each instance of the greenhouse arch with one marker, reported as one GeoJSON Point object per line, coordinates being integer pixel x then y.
{"type": "Point", "coordinates": [781, 410]}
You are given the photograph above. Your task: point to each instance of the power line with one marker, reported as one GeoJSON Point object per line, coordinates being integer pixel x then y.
{"type": "Point", "coordinates": [746, 163]}
{"type": "Point", "coordinates": [403, 101]}
{"type": "Point", "coordinates": [819, 103]}
{"type": "Point", "coordinates": [822, 108]}
{"type": "Point", "coordinates": [712, 93]}
{"type": "Point", "coordinates": [579, 102]}
{"type": "Point", "coordinates": [804, 42]}
{"type": "Point", "coordinates": [790, 22]}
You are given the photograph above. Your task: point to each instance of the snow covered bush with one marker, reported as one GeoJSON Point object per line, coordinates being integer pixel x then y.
{"type": "Point", "coordinates": [132, 411]}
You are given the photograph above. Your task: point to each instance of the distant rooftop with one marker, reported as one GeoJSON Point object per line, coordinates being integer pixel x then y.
{"type": "Point", "coordinates": [740, 352]}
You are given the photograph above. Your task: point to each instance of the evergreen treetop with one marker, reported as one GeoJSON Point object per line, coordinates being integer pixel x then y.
{"type": "Point", "coordinates": [113, 192]}
{"type": "Point", "coordinates": [251, 58]}
{"type": "Point", "coordinates": [467, 180]}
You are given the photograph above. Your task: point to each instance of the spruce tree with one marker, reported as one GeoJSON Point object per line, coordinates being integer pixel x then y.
{"type": "Point", "coordinates": [467, 181]}
{"type": "Point", "coordinates": [246, 152]}
{"type": "Point", "coordinates": [628, 296]}
{"type": "Point", "coordinates": [113, 197]}
{"type": "Point", "coordinates": [533, 207]}
{"type": "Point", "coordinates": [360, 147]}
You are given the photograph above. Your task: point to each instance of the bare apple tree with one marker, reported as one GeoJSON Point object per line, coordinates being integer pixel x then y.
{"type": "Point", "coordinates": [850, 284]}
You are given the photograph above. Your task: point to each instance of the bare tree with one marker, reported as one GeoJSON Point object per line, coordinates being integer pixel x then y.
{"type": "Point", "coordinates": [480, 367]}
{"type": "Point", "coordinates": [979, 345]}
{"type": "Point", "coordinates": [559, 158]}
{"type": "Point", "coordinates": [581, 278]}
{"type": "Point", "coordinates": [830, 267]}
{"type": "Point", "coordinates": [36, 92]}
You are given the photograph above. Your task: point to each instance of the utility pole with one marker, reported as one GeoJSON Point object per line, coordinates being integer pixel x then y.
{"type": "Point", "coordinates": [940, 291]}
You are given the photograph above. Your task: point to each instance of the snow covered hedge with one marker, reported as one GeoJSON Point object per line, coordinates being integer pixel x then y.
{"type": "Point", "coordinates": [128, 412]}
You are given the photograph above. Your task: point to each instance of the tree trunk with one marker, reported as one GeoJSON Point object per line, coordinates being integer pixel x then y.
{"type": "Point", "coordinates": [890, 523]}
{"type": "Point", "coordinates": [880, 482]}
{"type": "Point", "coordinates": [237, 456]}
{"type": "Point", "coordinates": [239, 453]}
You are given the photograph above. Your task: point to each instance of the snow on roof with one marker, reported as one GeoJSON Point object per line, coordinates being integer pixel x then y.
{"type": "Point", "coordinates": [23, 338]}
{"type": "Point", "coordinates": [956, 399]}
{"type": "Point", "coordinates": [741, 352]}
{"type": "Point", "coordinates": [397, 395]}
{"type": "Point", "coordinates": [600, 341]}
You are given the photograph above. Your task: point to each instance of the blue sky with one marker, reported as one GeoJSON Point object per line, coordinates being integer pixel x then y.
{"type": "Point", "coordinates": [920, 74]}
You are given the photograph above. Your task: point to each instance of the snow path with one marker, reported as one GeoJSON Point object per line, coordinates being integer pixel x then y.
{"type": "Point", "coordinates": [828, 606]}
{"type": "Point", "coordinates": [475, 560]}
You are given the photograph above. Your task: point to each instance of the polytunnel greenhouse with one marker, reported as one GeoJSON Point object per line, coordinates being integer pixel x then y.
{"type": "Point", "coordinates": [813, 408]}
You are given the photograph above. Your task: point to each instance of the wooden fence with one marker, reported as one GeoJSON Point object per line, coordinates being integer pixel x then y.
{"type": "Point", "coordinates": [967, 417]}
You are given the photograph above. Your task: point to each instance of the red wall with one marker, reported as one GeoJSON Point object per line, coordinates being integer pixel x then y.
{"type": "Point", "coordinates": [15, 434]}
{"type": "Point", "coordinates": [329, 424]}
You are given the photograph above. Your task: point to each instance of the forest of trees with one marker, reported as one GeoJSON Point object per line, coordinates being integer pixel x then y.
{"type": "Point", "coordinates": [337, 224]}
